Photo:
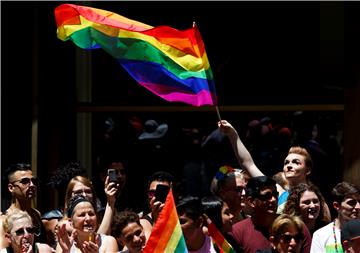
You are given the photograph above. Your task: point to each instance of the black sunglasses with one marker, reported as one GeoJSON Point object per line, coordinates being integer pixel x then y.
{"type": "Point", "coordinates": [287, 238]}
{"type": "Point", "coordinates": [21, 231]}
{"type": "Point", "coordinates": [26, 181]}
{"type": "Point", "coordinates": [151, 193]}
{"type": "Point", "coordinates": [268, 195]}
{"type": "Point", "coordinates": [238, 189]}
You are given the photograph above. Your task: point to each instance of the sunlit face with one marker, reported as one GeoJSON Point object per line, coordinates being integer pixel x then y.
{"type": "Point", "coordinates": [22, 234]}
{"type": "Point", "coordinates": [133, 237]}
{"type": "Point", "coordinates": [152, 188]}
{"type": "Point", "coordinates": [227, 217]}
{"type": "Point", "coordinates": [81, 189]}
{"type": "Point", "coordinates": [234, 192]}
{"type": "Point", "coordinates": [295, 169]}
{"type": "Point", "coordinates": [84, 217]}
{"type": "Point", "coordinates": [289, 241]}
{"type": "Point", "coordinates": [23, 185]}
{"type": "Point", "coordinates": [309, 206]}
{"type": "Point", "coordinates": [121, 176]}
{"type": "Point", "coordinates": [350, 208]}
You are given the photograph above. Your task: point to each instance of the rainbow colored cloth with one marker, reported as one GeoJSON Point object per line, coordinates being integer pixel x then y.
{"type": "Point", "coordinates": [171, 63]}
{"type": "Point", "coordinates": [218, 238]}
{"type": "Point", "coordinates": [166, 235]}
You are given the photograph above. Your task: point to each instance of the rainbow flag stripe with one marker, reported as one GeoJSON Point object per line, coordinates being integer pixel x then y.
{"type": "Point", "coordinates": [172, 64]}
{"type": "Point", "coordinates": [166, 235]}
{"type": "Point", "coordinates": [218, 238]}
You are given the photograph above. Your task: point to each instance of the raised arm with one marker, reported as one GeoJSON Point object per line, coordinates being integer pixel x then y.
{"type": "Point", "coordinates": [111, 190]}
{"type": "Point", "coordinates": [242, 154]}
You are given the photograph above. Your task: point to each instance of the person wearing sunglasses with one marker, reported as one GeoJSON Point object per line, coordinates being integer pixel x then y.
{"type": "Point", "coordinates": [148, 220]}
{"type": "Point", "coordinates": [20, 234]}
{"type": "Point", "coordinates": [22, 186]}
{"type": "Point", "coordinates": [297, 164]}
{"type": "Point", "coordinates": [229, 184]}
{"type": "Point", "coordinates": [286, 235]}
{"type": "Point", "coordinates": [252, 233]}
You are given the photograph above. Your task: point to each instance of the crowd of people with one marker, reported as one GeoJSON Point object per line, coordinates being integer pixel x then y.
{"type": "Point", "coordinates": [281, 212]}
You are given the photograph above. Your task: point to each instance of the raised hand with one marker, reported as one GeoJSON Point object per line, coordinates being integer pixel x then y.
{"type": "Point", "coordinates": [156, 207]}
{"type": "Point", "coordinates": [64, 240]}
{"type": "Point", "coordinates": [226, 128]}
{"type": "Point", "coordinates": [111, 189]}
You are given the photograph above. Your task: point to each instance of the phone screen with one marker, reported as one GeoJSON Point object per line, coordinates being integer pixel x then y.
{"type": "Point", "coordinates": [161, 192]}
{"type": "Point", "coordinates": [112, 173]}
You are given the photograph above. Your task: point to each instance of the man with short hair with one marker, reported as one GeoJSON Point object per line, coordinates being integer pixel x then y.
{"type": "Point", "coordinates": [190, 211]}
{"type": "Point", "coordinates": [23, 187]}
{"type": "Point", "coordinates": [127, 230]}
{"type": "Point", "coordinates": [350, 236]}
{"type": "Point", "coordinates": [252, 234]}
{"type": "Point", "coordinates": [346, 202]}
{"type": "Point", "coordinates": [148, 220]}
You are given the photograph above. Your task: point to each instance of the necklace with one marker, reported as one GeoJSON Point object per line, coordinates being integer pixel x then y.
{"type": "Point", "coordinates": [336, 248]}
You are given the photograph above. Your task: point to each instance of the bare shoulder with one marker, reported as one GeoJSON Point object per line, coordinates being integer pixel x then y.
{"type": "Point", "coordinates": [280, 189]}
{"type": "Point", "coordinates": [2, 217]}
{"type": "Point", "coordinates": [109, 244]}
{"type": "Point", "coordinates": [44, 248]}
{"type": "Point", "coordinates": [109, 238]}
{"type": "Point", "coordinates": [146, 224]}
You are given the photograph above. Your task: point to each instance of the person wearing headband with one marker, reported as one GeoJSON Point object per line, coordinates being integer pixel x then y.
{"type": "Point", "coordinates": [82, 218]}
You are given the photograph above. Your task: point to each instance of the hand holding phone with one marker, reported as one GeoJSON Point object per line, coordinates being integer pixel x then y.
{"type": "Point", "coordinates": [161, 192]}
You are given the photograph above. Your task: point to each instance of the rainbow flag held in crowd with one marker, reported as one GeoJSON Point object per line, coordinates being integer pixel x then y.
{"type": "Point", "coordinates": [218, 238]}
{"type": "Point", "coordinates": [166, 235]}
{"type": "Point", "coordinates": [172, 64]}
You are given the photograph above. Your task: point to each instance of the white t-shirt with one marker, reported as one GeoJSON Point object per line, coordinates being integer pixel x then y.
{"type": "Point", "coordinates": [323, 240]}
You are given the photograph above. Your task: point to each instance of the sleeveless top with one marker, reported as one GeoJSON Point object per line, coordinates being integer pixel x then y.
{"type": "Point", "coordinates": [282, 202]}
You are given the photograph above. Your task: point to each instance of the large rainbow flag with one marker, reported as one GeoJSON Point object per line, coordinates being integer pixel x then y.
{"type": "Point", "coordinates": [171, 63]}
{"type": "Point", "coordinates": [166, 235]}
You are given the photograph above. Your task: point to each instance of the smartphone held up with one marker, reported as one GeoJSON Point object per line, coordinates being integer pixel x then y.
{"type": "Point", "coordinates": [112, 173]}
{"type": "Point", "coordinates": [161, 192]}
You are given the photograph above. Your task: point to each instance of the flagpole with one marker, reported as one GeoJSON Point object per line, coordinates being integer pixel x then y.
{"type": "Point", "coordinates": [218, 112]}
{"type": "Point", "coordinates": [216, 107]}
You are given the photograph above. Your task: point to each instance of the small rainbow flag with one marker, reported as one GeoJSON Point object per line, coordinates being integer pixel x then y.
{"type": "Point", "coordinates": [218, 238]}
{"type": "Point", "coordinates": [166, 235]}
{"type": "Point", "coordinates": [170, 63]}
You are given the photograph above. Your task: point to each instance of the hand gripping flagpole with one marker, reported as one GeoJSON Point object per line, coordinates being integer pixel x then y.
{"type": "Point", "coordinates": [216, 106]}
